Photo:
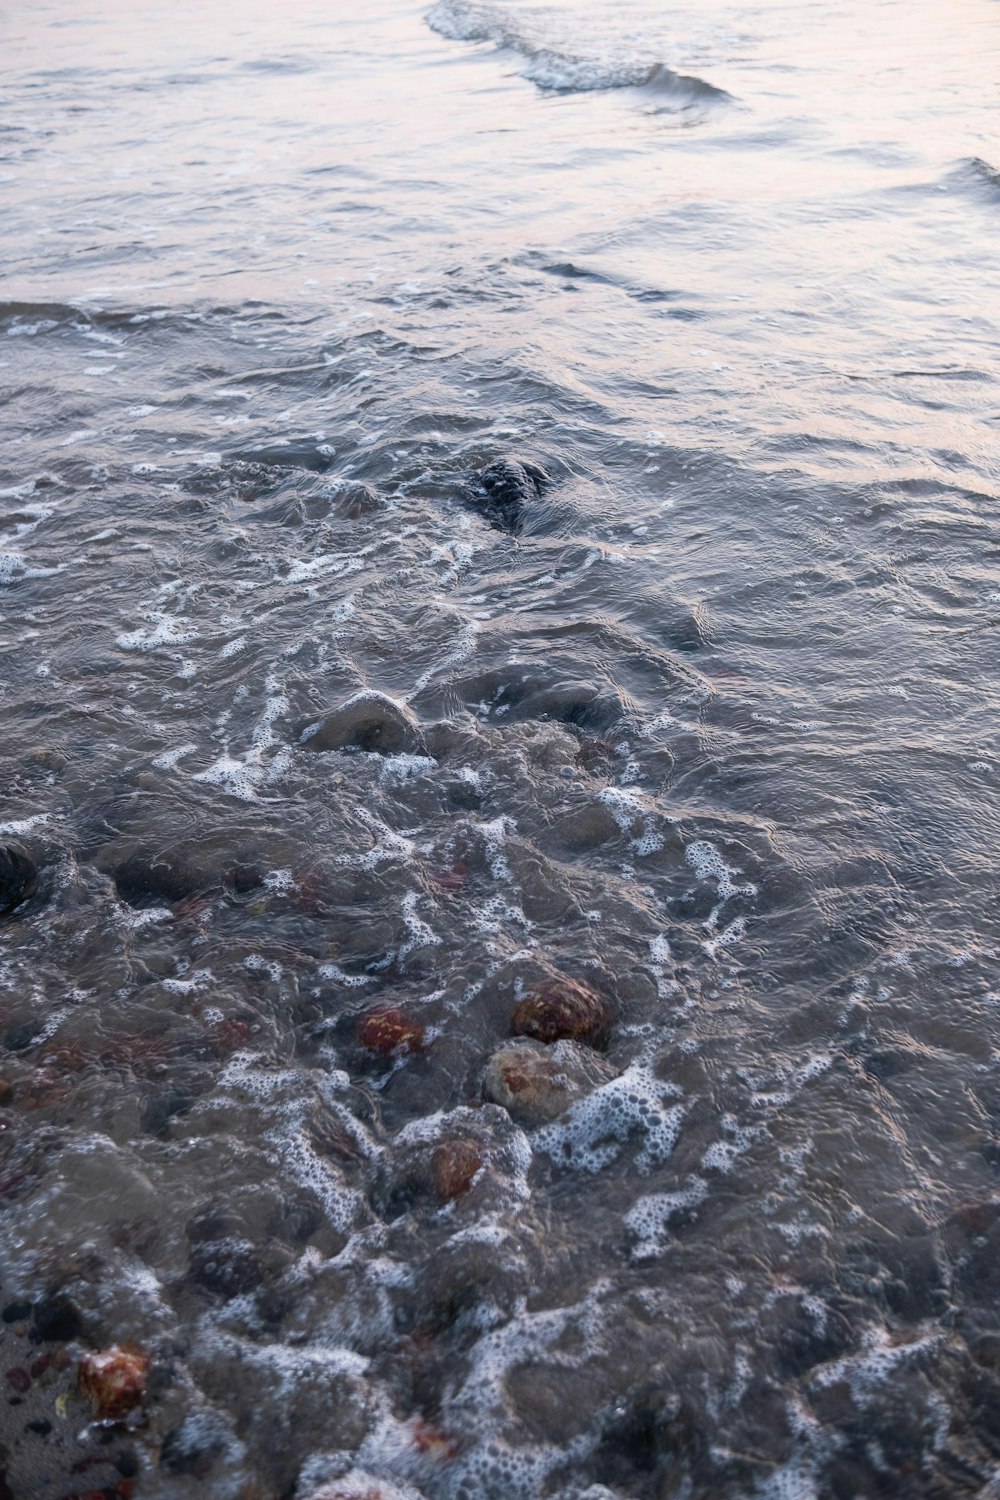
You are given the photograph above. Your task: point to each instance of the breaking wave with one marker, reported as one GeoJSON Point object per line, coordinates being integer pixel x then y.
{"type": "Point", "coordinates": [555, 70]}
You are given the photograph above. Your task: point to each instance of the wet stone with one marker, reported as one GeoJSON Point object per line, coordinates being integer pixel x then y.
{"type": "Point", "coordinates": [18, 874]}
{"type": "Point", "coordinates": [537, 1083]}
{"type": "Point", "coordinates": [20, 1037]}
{"type": "Point", "coordinates": [503, 490]}
{"type": "Point", "coordinates": [163, 1107]}
{"type": "Point", "coordinates": [193, 1446]}
{"type": "Point", "coordinates": [454, 1165]}
{"type": "Point", "coordinates": [297, 1220]}
{"type": "Point", "coordinates": [563, 1009]}
{"type": "Point", "coordinates": [371, 722]}
{"type": "Point", "coordinates": [113, 1381]}
{"type": "Point", "coordinates": [227, 1268]}
{"type": "Point", "coordinates": [389, 1029]}
{"type": "Point", "coordinates": [56, 1321]}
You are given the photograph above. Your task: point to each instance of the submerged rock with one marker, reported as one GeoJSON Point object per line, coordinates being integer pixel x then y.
{"type": "Point", "coordinates": [454, 1166]}
{"type": "Point", "coordinates": [227, 1267]}
{"type": "Point", "coordinates": [563, 1010]}
{"type": "Point", "coordinates": [388, 1029]}
{"type": "Point", "coordinates": [502, 490]}
{"type": "Point", "coordinates": [537, 1083]}
{"type": "Point", "coordinates": [113, 1381]}
{"type": "Point", "coordinates": [368, 721]}
{"type": "Point", "coordinates": [18, 873]}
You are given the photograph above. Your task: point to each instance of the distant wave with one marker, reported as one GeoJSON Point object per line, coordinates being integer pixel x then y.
{"type": "Point", "coordinates": [984, 171]}
{"type": "Point", "coordinates": [562, 72]}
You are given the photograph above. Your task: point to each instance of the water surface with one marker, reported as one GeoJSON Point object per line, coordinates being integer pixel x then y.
{"type": "Point", "coordinates": [716, 734]}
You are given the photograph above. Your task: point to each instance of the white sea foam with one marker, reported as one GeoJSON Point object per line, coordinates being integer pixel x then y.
{"type": "Point", "coordinates": [649, 1217]}
{"type": "Point", "coordinates": [24, 825]}
{"type": "Point", "coordinates": [594, 1131]}
{"type": "Point", "coordinates": [162, 631]}
{"type": "Point", "coordinates": [13, 568]}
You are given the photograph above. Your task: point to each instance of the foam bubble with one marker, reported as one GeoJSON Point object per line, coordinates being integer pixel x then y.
{"type": "Point", "coordinates": [167, 759]}
{"type": "Point", "coordinates": [13, 568]}
{"type": "Point", "coordinates": [632, 813]}
{"type": "Point", "coordinates": [163, 630]}
{"type": "Point", "coordinates": [24, 825]}
{"type": "Point", "coordinates": [594, 1131]}
{"type": "Point", "coordinates": [649, 1217]}
{"type": "Point", "coordinates": [708, 864]}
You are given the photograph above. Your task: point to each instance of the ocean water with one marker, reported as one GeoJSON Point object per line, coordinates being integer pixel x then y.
{"type": "Point", "coordinates": [294, 727]}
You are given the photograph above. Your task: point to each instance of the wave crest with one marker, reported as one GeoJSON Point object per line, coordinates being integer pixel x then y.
{"type": "Point", "coordinates": [561, 72]}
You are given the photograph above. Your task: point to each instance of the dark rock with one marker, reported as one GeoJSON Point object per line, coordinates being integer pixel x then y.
{"type": "Point", "coordinates": [18, 873]}
{"type": "Point", "coordinates": [501, 492]}
{"type": "Point", "coordinates": [563, 1009]}
{"type": "Point", "coordinates": [57, 1321]}
{"type": "Point", "coordinates": [158, 876]}
{"type": "Point", "coordinates": [248, 479]}
{"type": "Point", "coordinates": [245, 878]}
{"type": "Point", "coordinates": [163, 1107]}
{"type": "Point", "coordinates": [193, 1447]}
{"type": "Point", "coordinates": [369, 721]}
{"type": "Point", "coordinates": [228, 1267]}
{"type": "Point", "coordinates": [16, 1312]}
{"type": "Point", "coordinates": [22, 1036]}
{"type": "Point", "coordinates": [298, 1219]}
{"type": "Point", "coordinates": [537, 1083]}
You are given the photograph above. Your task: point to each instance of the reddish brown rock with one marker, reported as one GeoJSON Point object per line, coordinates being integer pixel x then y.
{"type": "Point", "coordinates": [113, 1381]}
{"type": "Point", "coordinates": [432, 1442]}
{"type": "Point", "coordinates": [563, 1010]}
{"type": "Point", "coordinates": [453, 1166]}
{"type": "Point", "coordinates": [389, 1029]}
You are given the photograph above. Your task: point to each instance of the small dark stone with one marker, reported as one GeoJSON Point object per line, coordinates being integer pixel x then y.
{"type": "Point", "coordinates": [41, 1427]}
{"type": "Point", "coordinates": [162, 1108]}
{"type": "Point", "coordinates": [226, 1267]}
{"type": "Point", "coordinates": [215, 1224]}
{"type": "Point", "coordinates": [246, 878]}
{"type": "Point", "coordinates": [127, 1465]}
{"type": "Point", "coordinates": [502, 490]}
{"type": "Point", "coordinates": [57, 1321]}
{"type": "Point", "coordinates": [19, 1380]}
{"type": "Point", "coordinates": [192, 1447]}
{"type": "Point", "coordinates": [18, 873]}
{"type": "Point", "coordinates": [19, 1038]}
{"type": "Point", "coordinates": [149, 877]}
{"type": "Point", "coordinates": [16, 1312]}
{"type": "Point", "coordinates": [297, 1220]}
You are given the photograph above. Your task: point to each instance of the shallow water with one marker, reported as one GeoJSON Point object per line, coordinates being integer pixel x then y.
{"type": "Point", "coordinates": [715, 733]}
